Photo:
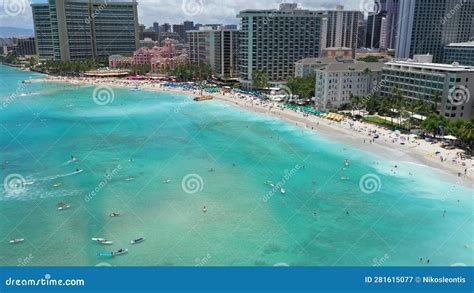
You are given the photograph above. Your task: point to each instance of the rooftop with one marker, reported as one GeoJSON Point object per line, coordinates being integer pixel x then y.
{"type": "Point", "coordinates": [355, 66]}
{"type": "Point", "coordinates": [322, 60]}
{"type": "Point", "coordinates": [465, 44]}
{"type": "Point", "coordinates": [435, 66]}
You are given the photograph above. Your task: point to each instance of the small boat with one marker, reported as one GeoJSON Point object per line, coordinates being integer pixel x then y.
{"type": "Point", "coordinates": [203, 98]}
{"type": "Point", "coordinates": [102, 241]}
{"type": "Point", "coordinates": [114, 214]}
{"type": "Point", "coordinates": [16, 240]}
{"type": "Point", "coordinates": [130, 178]}
{"type": "Point", "coordinates": [120, 251]}
{"type": "Point", "coordinates": [344, 178]}
{"type": "Point", "coordinates": [282, 190]}
{"type": "Point", "coordinates": [167, 181]}
{"type": "Point", "coordinates": [105, 254]}
{"type": "Point", "coordinates": [138, 240]}
{"type": "Point", "coordinates": [64, 207]}
{"type": "Point", "coordinates": [57, 184]}
{"type": "Point", "coordinates": [272, 185]}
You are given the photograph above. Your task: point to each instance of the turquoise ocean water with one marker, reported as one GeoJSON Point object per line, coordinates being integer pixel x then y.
{"type": "Point", "coordinates": [217, 156]}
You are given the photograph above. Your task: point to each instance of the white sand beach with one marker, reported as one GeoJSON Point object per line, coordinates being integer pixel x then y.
{"type": "Point", "coordinates": [391, 145]}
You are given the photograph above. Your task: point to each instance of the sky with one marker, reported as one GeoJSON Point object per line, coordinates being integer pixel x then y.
{"type": "Point", "coordinates": [17, 13]}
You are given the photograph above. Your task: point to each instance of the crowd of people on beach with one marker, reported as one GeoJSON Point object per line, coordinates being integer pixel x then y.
{"type": "Point", "coordinates": [366, 133]}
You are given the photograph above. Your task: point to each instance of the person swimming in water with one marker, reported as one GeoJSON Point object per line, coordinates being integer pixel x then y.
{"type": "Point", "coordinates": [204, 209]}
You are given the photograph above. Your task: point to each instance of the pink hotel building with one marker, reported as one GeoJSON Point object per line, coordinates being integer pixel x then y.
{"type": "Point", "coordinates": [157, 57]}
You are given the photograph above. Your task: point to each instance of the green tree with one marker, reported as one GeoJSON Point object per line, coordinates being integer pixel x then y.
{"type": "Point", "coordinates": [356, 103]}
{"type": "Point", "coordinates": [302, 86]}
{"type": "Point", "coordinates": [259, 79]}
{"type": "Point", "coordinates": [466, 132]}
{"type": "Point", "coordinates": [433, 123]}
{"type": "Point", "coordinates": [32, 61]}
{"type": "Point", "coordinates": [398, 103]}
{"type": "Point", "coordinates": [372, 103]}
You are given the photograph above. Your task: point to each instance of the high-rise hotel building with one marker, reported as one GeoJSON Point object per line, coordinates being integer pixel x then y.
{"type": "Point", "coordinates": [342, 28]}
{"type": "Point", "coordinates": [376, 30]}
{"type": "Point", "coordinates": [273, 40]}
{"type": "Point", "coordinates": [426, 26]}
{"type": "Point", "coordinates": [462, 53]}
{"type": "Point", "coordinates": [81, 29]}
{"type": "Point", "coordinates": [389, 26]}
{"type": "Point", "coordinates": [420, 79]}
{"type": "Point", "coordinates": [216, 47]}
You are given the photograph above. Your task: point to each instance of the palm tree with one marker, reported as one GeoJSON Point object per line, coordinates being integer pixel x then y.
{"type": "Point", "coordinates": [368, 74]}
{"type": "Point", "coordinates": [434, 123]}
{"type": "Point", "coordinates": [396, 99]}
{"type": "Point", "coordinates": [260, 79]}
{"type": "Point", "coordinates": [466, 132]}
{"type": "Point", "coordinates": [355, 101]}
{"type": "Point", "coordinates": [436, 100]}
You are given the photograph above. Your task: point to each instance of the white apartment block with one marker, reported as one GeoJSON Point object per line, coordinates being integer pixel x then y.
{"type": "Point", "coordinates": [421, 79]}
{"type": "Point", "coordinates": [337, 82]}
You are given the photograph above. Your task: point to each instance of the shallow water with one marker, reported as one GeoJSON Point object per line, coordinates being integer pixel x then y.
{"type": "Point", "coordinates": [218, 156]}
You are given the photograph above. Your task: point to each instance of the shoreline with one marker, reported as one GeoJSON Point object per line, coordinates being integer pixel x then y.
{"type": "Point", "coordinates": [356, 134]}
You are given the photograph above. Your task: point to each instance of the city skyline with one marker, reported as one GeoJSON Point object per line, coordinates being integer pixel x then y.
{"type": "Point", "coordinates": [17, 13]}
